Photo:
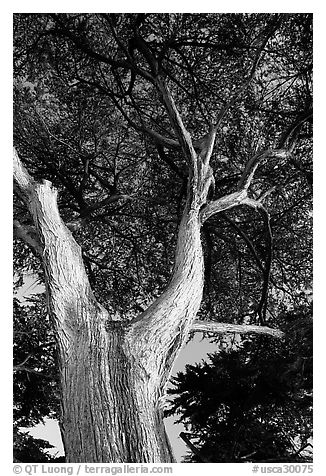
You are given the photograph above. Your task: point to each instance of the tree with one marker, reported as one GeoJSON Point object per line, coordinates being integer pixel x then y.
{"type": "Point", "coordinates": [251, 403]}
{"type": "Point", "coordinates": [107, 108]}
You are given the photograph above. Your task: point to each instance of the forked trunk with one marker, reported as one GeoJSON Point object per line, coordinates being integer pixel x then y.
{"type": "Point", "coordinates": [113, 373]}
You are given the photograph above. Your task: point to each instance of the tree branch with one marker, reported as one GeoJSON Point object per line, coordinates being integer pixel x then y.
{"type": "Point", "coordinates": [168, 161]}
{"type": "Point", "coordinates": [176, 121]}
{"type": "Point", "coordinates": [255, 161]}
{"type": "Point", "coordinates": [288, 138]}
{"type": "Point", "coordinates": [240, 197]}
{"type": "Point", "coordinates": [66, 277]}
{"type": "Point", "coordinates": [156, 136]}
{"type": "Point", "coordinates": [245, 180]}
{"type": "Point", "coordinates": [132, 63]}
{"type": "Point", "coordinates": [245, 238]}
{"type": "Point", "coordinates": [103, 203]}
{"type": "Point", "coordinates": [22, 368]}
{"type": "Point", "coordinates": [82, 45]}
{"type": "Point", "coordinates": [284, 149]}
{"type": "Point", "coordinates": [226, 328]}
{"type": "Point", "coordinates": [224, 203]}
{"type": "Point", "coordinates": [24, 181]}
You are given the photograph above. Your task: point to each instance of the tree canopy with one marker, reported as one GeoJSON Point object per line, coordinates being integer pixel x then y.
{"type": "Point", "coordinates": [97, 129]}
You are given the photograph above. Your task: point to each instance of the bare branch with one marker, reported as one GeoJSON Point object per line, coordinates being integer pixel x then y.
{"type": "Point", "coordinates": [285, 147]}
{"type": "Point", "coordinates": [224, 203]}
{"type": "Point", "coordinates": [257, 205]}
{"type": "Point", "coordinates": [255, 161]}
{"type": "Point", "coordinates": [141, 46]}
{"type": "Point", "coordinates": [103, 203]}
{"type": "Point", "coordinates": [24, 361]}
{"type": "Point", "coordinates": [61, 256]}
{"type": "Point", "coordinates": [24, 181]}
{"type": "Point", "coordinates": [166, 141]}
{"type": "Point", "coordinates": [245, 238]}
{"type": "Point", "coordinates": [205, 145]}
{"type": "Point", "coordinates": [176, 121]}
{"type": "Point", "coordinates": [226, 328]}
{"type": "Point", "coordinates": [58, 139]}
{"type": "Point", "coordinates": [264, 195]}
{"type": "Point", "coordinates": [262, 306]}
{"type": "Point", "coordinates": [22, 368]}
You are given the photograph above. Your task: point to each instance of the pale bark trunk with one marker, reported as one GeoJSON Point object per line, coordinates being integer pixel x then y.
{"type": "Point", "coordinates": [110, 409]}
{"type": "Point", "coordinates": [113, 374]}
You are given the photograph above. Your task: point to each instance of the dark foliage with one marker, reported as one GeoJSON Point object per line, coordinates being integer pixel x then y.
{"type": "Point", "coordinates": [36, 391]}
{"type": "Point", "coordinates": [253, 403]}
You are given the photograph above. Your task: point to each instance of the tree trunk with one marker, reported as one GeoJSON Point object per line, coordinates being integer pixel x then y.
{"type": "Point", "coordinates": [113, 373]}
{"type": "Point", "coordinates": [111, 410]}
